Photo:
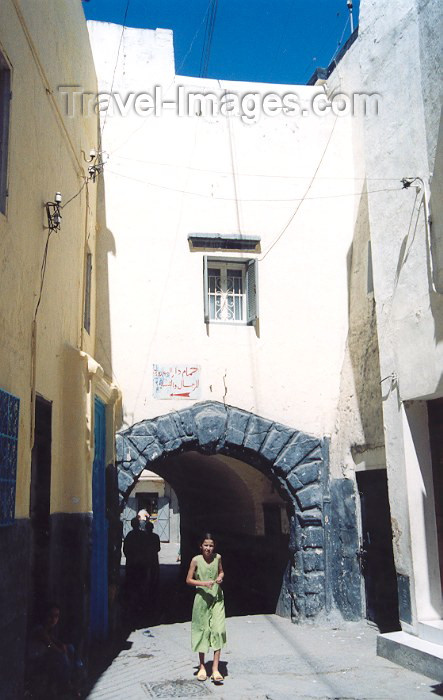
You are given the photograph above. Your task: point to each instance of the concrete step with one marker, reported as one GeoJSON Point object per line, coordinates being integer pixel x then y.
{"type": "Point", "coordinates": [431, 631]}
{"type": "Point", "coordinates": [413, 653]}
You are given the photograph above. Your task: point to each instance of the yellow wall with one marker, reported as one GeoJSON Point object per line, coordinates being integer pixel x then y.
{"type": "Point", "coordinates": [47, 46]}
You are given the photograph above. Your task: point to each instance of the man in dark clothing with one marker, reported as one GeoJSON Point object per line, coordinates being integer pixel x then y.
{"type": "Point", "coordinates": [137, 551]}
{"type": "Point", "coordinates": [154, 548]}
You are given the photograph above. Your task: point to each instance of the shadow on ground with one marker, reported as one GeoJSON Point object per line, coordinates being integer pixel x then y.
{"type": "Point", "coordinates": [173, 603]}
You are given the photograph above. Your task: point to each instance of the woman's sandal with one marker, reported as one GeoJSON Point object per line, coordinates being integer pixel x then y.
{"type": "Point", "coordinates": [202, 675]}
{"type": "Point", "coordinates": [217, 677]}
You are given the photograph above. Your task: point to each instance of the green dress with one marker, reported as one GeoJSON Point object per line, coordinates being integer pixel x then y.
{"type": "Point", "coordinates": [208, 613]}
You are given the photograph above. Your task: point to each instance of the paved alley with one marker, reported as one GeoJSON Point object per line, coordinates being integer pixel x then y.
{"type": "Point", "coordinates": [266, 657]}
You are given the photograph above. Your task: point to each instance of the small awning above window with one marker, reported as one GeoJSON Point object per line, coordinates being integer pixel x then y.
{"type": "Point", "coordinates": [224, 241]}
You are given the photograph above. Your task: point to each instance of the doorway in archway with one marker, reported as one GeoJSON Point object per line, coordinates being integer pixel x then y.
{"type": "Point", "coordinates": [232, 500]}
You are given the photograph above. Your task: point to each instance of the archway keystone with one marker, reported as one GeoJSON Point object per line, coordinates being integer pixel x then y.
{"type": "Point", "coordinates": [295, 461]}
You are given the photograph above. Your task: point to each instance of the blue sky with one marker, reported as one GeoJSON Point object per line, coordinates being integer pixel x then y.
{"type": "Point", "coordinates": [275, 41]}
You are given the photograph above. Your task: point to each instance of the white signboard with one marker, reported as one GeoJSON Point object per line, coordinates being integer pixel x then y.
{"type": "Point", "coordinates": [176, 381]}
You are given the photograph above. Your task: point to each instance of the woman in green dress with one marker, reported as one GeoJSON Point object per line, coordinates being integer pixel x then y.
{"type": "Point", "coordinates": [208, 613]}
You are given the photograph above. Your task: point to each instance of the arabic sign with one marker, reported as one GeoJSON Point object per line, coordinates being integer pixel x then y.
{"type": "Point", "coordinates": [176, 381]}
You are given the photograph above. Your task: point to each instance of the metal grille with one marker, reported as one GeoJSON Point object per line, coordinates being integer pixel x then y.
{"type": "Point", "coordinates": [5, 98]}
{"type": "Point", "coordinates": [226, 292]}
{"type": "Point", "coordinates": [9, 412]}
{"type": "Point", "coordinates": [176, 689]}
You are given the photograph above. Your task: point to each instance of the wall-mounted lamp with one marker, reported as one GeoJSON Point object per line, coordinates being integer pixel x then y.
{"type": "Point", "coordinates": [351, 17]}
{"type": "Point", "coordinates": [97, 161]}
{"type": "Point", "coordinates": [53, 212]}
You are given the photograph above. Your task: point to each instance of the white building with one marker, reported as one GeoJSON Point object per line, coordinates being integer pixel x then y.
{"type": "Point", "coordinates": [240, 276]}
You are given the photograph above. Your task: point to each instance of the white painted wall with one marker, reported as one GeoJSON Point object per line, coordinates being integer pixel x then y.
{"type": "Point", "coordinates": [400, 55]}
{"type": "Point", "coordinates": [170, 176]}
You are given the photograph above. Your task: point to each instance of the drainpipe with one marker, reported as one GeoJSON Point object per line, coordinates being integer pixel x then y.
{"type": "Point", "coordinates": [327, 525]}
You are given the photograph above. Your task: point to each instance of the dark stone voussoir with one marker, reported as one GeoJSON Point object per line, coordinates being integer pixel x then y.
{"type": "Point", "coordinates": [296, 584]}
{"type": "Point", "coordinates": [186, 418]}
{"type": "Point", "coordinates": [314, 604]}
{"type": "Point", "coordinates": [236, 426]}
{"type": "Point", "coordinates": [314, 582]}
{"type": "Point", "coordinates": [125, 481]}
{"type": "Point", "coordinates": [298, 608]}
{"type": "Point", "coordinates": [308, 472]}
{"type": "Point", "coordinates": [256, 433]}
{"type": "Point", "coordinates": [148, 446]}
{"type": "Point", "coordinates": [145, 427]}
{"type": "Point", "coordinates": [313, 516]}
{"type": "Point", "coordinates": [125, 451]}
{"type": "Point", "coordinates": [316, 455]}
{"type": "Point", "coordinates": [295, 452]}
{"type": "Point", "coordinates": [310, 497]}
{"type": "Point", "coordinates": [313, 537]}
{"type": "Point", "coordinates": [137, 466]}
{"type": "Point", "coordinates": [296, 540]}
{"type": "Point", "coordinates": [298, 567]}
{"type": "Point", "coordinates": [277, 437]}
{"type": "Point", "coordinates": [168, 433]}
{"type": "Point", "coordinates": [313, 561]}
{"type": "Point", "coordinates": [210, 422]}
{"type": "Point", "coordinates": [142, 442]}
{"type": "Point", "coordinates": [294, 482]}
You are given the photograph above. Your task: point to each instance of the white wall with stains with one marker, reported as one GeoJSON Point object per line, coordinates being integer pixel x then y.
{"type": "Point", "coordinates": [173, 175]}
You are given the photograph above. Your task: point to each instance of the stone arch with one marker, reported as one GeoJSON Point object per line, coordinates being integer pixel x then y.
{"type": "Point", "coordinates": [294, 460]}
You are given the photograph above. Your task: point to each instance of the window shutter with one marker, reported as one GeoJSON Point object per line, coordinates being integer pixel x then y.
{"type": "Point", "coordinates": [9, 419]}
{"type": "Point", "coordinates": [205, 289]}
{"type": "Point", "coordinates": [252, 291]}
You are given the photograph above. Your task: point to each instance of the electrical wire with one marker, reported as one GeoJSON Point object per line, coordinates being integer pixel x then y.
{"type": "Point", "coordinates": [115, 66]}
{"type": "Point", "coordinates": [195, 36]}
{"type": "Point", "coordinates": [42, 272]}
{"type": "Point", "coordinates": [234, 173]}
{"type": "Point", "coordinates": [209, 33]}
{"type": "Point", "coordinates": [85, 182]}
{"type": "Point", "coordinates": [339, 43]}
{"type": "Point", "coordinates": [294, 214]}
{"type": "Point", "coordinates": [260, 199]}
{"type": "Point", "coordinates": [144, 122]}
{"type": "Point", "coordinates": [154, 326]}
{"type": "Point", "coordinates": [261, 175]}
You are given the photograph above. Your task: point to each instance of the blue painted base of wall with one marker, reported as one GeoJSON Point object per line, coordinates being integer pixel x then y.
{"type": "Point", "coordinates": [345, 575]}
{"type": "Point", "coordinates": [14, 578]}
{"type": "Point", "coordinates": [70, 557]}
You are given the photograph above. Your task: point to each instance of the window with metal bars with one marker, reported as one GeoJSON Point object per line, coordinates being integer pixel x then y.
{"type": "Point", "coordinates": [5, 98]}
{"type": "Point", "coordinates": [230, 291]}
{"type": "Point", "coordinates": [87, 304]}
{"type": "Point", "coordinates": [9, 413]}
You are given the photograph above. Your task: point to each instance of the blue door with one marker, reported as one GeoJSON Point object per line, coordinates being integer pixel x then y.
{"type": "Point", "coordinates": [161, 526]}
{"type": "Point", "coordinates": [99, 555]}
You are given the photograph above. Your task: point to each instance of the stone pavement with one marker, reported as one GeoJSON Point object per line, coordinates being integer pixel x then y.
{"type": "Point", "coordinates": [267, 657]}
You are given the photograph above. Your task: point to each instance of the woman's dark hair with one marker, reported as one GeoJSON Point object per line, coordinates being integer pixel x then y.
{"type": "Point", "coordinates": [206, 536]}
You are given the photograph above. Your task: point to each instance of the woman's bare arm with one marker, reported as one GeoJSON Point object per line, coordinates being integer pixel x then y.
{"type": "Point", "coordinates": [221, 573]}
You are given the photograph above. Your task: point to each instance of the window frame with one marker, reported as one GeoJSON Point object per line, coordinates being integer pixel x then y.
{"type": "Point", "coordinates": [5, 118]}
{"type": "Point", "coordinates": [9, 428]}
{"type": "Point", "coordinates": [88, 293]}
{"type": "Point", "coordinates": [224, 268]}
{"type": "Point", "coordinates": [249, 268]}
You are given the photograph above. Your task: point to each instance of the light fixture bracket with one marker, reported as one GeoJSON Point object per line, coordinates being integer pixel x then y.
{"type": "Point", "coordinates": [53, 213]}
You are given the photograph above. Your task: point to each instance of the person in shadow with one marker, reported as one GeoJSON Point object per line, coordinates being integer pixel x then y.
{"type": "Point", "coordinates": [154, 567]}
{"type": "Point", "coordinates": [51, 663]}
{"type": "Point", "coordinates": [136, 549]}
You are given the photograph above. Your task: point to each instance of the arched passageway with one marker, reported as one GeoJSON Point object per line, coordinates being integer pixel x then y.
{"type": "Point", "coordinates": [234, 471]}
